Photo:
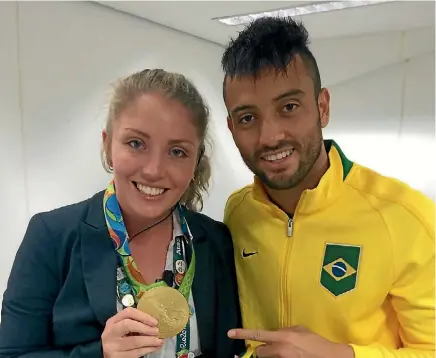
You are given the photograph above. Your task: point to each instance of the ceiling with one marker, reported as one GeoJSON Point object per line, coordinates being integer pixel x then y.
{"type": "Point", "coordinates": [196, 17]}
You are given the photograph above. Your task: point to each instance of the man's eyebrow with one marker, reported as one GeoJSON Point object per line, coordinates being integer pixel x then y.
{"type": "Point", "coordinates": [242, 108]}
{"type": "Point", "coordinates": [293, 92]}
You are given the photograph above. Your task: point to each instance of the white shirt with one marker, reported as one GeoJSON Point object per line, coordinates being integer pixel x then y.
{"type": "Point", "coordinates": [168, 350]}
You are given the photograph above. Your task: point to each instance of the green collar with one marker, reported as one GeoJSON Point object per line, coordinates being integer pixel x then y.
{"type": "Point", "coordinates": [346, 163]}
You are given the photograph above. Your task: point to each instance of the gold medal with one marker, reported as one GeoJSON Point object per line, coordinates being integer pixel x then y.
{"type": "Point", "coordinates": [168, 307]}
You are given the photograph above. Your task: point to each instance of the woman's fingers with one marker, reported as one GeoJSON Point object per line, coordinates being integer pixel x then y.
{"type": "Point", "coordinates": [126, 326]}
{"type": "Point", "coordinates": [140, 342]}
{"type": "Point", "coordinates": [134, 314]}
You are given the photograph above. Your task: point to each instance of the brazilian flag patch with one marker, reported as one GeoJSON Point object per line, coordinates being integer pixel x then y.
{"type": "Point", "coordinates": [340, 268]}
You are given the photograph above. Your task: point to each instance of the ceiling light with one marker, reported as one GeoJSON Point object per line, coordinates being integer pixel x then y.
{"type": "Point", "coordinates": [297, 11]}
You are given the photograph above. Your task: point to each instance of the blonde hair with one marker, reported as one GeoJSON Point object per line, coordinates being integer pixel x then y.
{"type": "Point", "coordinates": [173, 86]}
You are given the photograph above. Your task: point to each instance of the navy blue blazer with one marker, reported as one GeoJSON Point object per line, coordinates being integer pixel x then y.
{"type": "Point", "coordinates": [62, 287]}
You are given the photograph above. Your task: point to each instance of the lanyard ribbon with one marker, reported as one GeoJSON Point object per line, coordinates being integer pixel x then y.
{"type": "Point", "coordinates": [130, 284]}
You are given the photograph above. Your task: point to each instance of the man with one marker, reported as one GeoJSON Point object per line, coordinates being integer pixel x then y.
{"type": "Point", "coordinates": [333, 260]}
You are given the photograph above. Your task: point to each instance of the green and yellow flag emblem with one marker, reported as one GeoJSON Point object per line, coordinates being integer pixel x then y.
{"type": "Point", "coordinates": [339, 268]}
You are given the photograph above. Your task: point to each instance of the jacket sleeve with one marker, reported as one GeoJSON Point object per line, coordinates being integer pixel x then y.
{"type": "Point", "coordinates": [32, 289]}
{"type": "Point", "coordinates": [413, 292]}
{"type": "Point", "coordinates": [88, 350]}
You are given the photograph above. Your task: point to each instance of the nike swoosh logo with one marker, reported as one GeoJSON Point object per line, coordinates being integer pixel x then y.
{"type": "Point", "coordinates": [246, 254]}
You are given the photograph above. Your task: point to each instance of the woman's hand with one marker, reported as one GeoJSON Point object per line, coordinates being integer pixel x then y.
{"type": "Point", "coordinates": [130, 334]}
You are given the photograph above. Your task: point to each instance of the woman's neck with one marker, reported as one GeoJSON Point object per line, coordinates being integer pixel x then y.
{"type": "Point", "coordinates": [139, 226]}
{"type": "Point", "coordinates": [149, 250]}
{"type": "Point", "coordinates": [158, 236]}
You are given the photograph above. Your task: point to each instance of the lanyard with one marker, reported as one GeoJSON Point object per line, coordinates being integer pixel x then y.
{"type": "Point", "coordinates": [130, 285]}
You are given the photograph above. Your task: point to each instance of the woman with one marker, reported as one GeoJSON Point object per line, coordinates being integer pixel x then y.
{"type": "Point", "coordinates": [133, 271]}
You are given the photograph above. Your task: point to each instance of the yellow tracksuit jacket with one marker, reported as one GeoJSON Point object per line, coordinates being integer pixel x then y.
{"type": "Point", "coordinates": [355, 264]}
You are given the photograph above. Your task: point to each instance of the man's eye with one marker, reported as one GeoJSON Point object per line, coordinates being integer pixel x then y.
{"type": "Point", "coordinates": [246, 119]}
{"type": "Point", "coordinates": [289, 107]}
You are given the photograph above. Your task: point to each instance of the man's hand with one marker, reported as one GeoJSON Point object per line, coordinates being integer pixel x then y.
{"type": "Point", "coordinates": [294, 342]}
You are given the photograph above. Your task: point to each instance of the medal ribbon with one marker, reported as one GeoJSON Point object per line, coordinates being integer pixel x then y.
{"type": "Point", "coordinates": [130, 283]}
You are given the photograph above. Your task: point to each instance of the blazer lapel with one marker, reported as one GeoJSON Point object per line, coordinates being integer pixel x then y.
{"type": "Point", "coordinates": [203, 287]}
{"type": "Point", "coordinates": [99, 262]}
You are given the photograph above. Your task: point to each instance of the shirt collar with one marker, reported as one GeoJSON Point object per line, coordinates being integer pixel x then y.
{"type": "Point", "coordinates": [177, 227]}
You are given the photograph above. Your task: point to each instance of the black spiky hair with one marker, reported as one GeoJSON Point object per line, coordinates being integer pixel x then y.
{"type": "Point", "coordinates": [269, 43]}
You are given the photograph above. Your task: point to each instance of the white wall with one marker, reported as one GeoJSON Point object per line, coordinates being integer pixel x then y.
{"type": "Point", "coordinates": [382, 102]}
{"type": "Point", "coordinates": [57, 59]}
{"type": "Point", "coordinates": [13, 207]}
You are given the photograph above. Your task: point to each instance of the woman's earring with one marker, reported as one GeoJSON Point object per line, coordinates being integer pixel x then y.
{"type": "Point", "coordinates": [109, 164]}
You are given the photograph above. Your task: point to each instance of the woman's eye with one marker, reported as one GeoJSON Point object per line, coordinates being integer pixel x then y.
{"type": "Point", "coordinates": [178, 152]}
{"type": "Point", "coordinates": [135, 144]}
{"type": "Point", "coordinates": [246, 119]}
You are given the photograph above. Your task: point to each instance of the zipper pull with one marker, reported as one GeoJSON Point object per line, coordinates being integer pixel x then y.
{"type": "Point", "coordinates": [290, 227]}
